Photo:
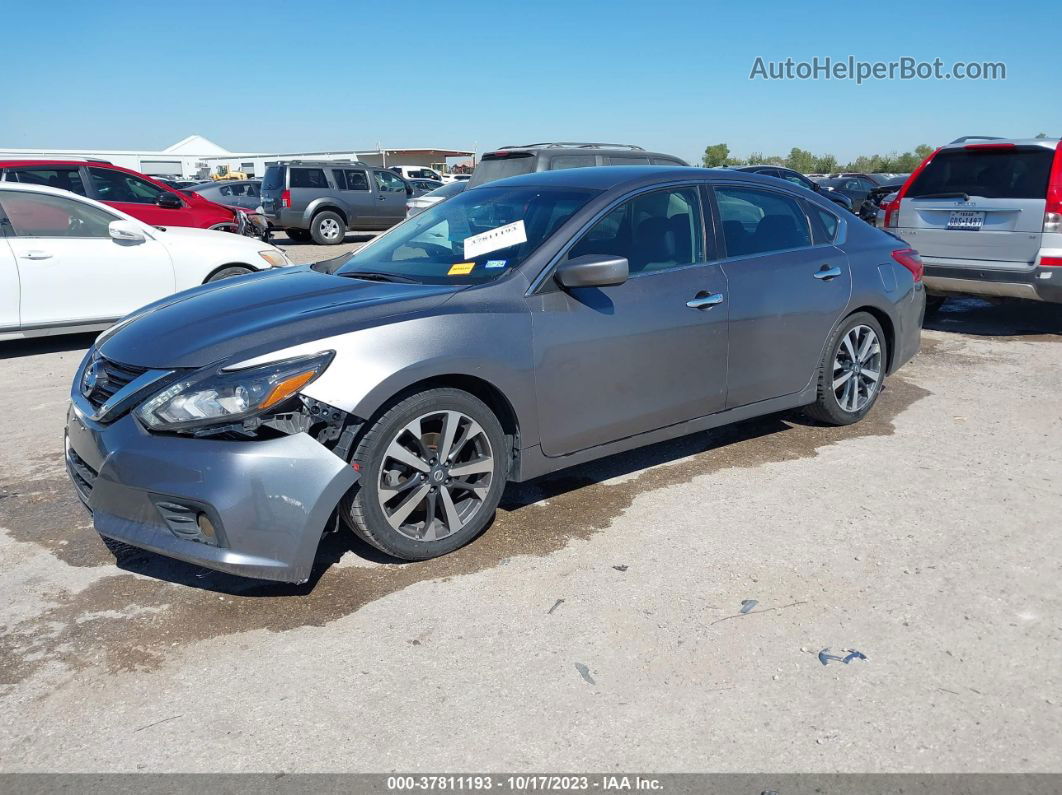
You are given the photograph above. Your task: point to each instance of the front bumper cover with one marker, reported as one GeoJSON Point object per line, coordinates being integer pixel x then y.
{"type": "Point", "coordinates": [269, 500]}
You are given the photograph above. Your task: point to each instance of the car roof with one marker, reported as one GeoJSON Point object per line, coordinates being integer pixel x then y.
{"type": "Point", "coordinates": [1047, 143]}
{"type": "Point", "coordinates": [609, 177]}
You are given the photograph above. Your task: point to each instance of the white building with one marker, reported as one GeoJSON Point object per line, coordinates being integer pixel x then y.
{"type": "Point", "coordinates": [198, 157]}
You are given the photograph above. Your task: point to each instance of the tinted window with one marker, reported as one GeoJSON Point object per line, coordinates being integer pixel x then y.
{"type": "Point", "coordinates": [796, 179]}
{"type": "Point", "coordinates": [628, 160]}
{"type": "Point", "coordinates": [572, 161]}
{"type": "Point", "coordinates": [431, 247]}
{"type": "Point", "coordinates": [41, 215]}
{"type": "Point", "coordinates": [666, 161]}
{"type": "Point", "coordinates": [388, 182]}
{"type": "Point", "coordinates": [351, 179]}
{"type": "Point", "coordinates": [225, 190]}
{"type": "Point", "coordinates": [756, 222]}
{"type": "Point", "coordinates": [828, 220]}
{"type": "Point", "coordinates": [654, 231]}
{"type": "Point", "coordinates": [117, 186]}
{"type": "Point", "coordinates": [493, 167]}
{"type": "Point", "coordinates": [62, 178]}
{"type": "Point", "coordinates": [308, 178]}
{"type": "Point", "coordinates": [274, 178]}
{"type": "Point", "coordinates": [989, 173]}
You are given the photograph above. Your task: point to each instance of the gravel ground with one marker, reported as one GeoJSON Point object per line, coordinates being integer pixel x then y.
{"type": "Point", "coordinates": [597, 625]}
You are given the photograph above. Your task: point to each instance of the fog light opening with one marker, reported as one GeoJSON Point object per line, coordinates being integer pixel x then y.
{"type": "Point", "coordinates": [206, 528]}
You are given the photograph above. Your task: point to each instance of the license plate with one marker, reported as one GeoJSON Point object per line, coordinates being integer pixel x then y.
{"type": "Point", "coordinates": [968, 220]}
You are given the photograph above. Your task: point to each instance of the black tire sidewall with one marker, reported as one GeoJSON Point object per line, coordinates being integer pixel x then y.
{"type": "Point", "coordinates": [315, 228]}
{"type": "Point", "coordinates": [298, 235]}
{"type": "Point", "coordinates": [363, 510]}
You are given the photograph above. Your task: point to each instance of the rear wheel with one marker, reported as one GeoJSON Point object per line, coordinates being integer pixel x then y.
{"type": "Point", "coordinates": [298, 235]}
{"type": "Point", "coordinates": [851, 372]}
{"type": "Point", "coordinates": [328, 228]}
{"type": "Point", "coordinates": [433, 469]}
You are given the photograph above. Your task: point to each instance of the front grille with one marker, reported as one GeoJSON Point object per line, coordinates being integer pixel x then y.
{"type": "Point", "coordinates": [110, 376]}
{"type": "Point", "coordinates": [82, 474]}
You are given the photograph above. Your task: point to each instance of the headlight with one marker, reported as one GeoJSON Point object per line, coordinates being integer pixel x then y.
{"type": "Point", "coordinates": [275, 258]}
{"type": "Point", "coordinates": [222, 396]}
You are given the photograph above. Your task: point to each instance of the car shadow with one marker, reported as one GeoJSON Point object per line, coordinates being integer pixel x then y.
{"type": "Point", "coordinates": [1003, 318]}
{"type": "Point", "coordinates": [59, 343]}
{"type": "Point", "coordinates": [339, 541]}
{"type": "Point", "coordinates": [283, 241]}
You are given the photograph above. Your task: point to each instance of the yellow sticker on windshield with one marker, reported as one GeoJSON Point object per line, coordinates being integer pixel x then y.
{"type": "Point", "coordinates": [461, 269]}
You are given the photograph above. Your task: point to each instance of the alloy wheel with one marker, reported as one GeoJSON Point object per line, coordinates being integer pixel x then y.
{"type": "Point", "coordinates": [435, 475]}
{"type": "Point", "coordinates": [857, 369]}
{"type": "Point", "coordinates": [330, 229]}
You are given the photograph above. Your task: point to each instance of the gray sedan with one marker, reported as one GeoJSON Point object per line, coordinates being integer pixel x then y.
{"type": "Point", "coordinates": [419, 204]}
{"type": "Point", "coordinates": [521, 327]}
{"type": "Point", "coordinates": [245, 194]}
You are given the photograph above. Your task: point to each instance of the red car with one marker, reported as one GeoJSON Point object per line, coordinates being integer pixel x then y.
{"type": "Point", "coordinates": [126, 190]}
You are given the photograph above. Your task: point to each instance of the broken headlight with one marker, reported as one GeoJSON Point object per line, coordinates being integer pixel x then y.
{"type": "Point", "coordinates": [226, 396]}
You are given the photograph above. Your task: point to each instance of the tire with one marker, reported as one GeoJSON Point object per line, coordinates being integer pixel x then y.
{"type": "Point", "coordinates": [399, 524]}
{"type": "Point", "coordinates": [839, 367]}
{"type": "Point", "coordinates": [328, 228]}
{"type": "Point", "coordinates": [298, 235]}
{"type": "Point", "coordinates": [934, 303]}
{"type": "Point", "coordinates": [229, 272]}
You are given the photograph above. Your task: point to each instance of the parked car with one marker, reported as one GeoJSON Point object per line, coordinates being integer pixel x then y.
{"type": "Point", "coordinates": [422, 186]}
{"type": "Point", "coordinates": [321, 200]}
{"type": "Point", "coordinates": [872, 179]}
{"type": "Point", "coordinates": [789, 175]}
{"type": "Point", "coordinates": [855, 189]}
{"type": "Point", "coordinates": [520, 327]}
{"type": "Point", "coordinates": [987, 217]}
{"type": "Point", "coordinates": [418, 172]}
{"type": "Point", "coordinates": [871, 209]}
{"type": "Point", "coordinates": [68, 263]}
{"type": "Point", "coordinates": [459, 177]}
{"type": "Point", "coordinates": [245, 194]}
{"type": "Point", "coordinates": [419, 204]}
{"type": "Point", "coordinates": [512, 160]}
{"type": "Point", "coordinates": [135, 194]}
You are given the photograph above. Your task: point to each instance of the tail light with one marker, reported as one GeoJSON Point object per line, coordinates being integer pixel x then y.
{"type": "Point", "coordinates": [909, 258]}
{"type": "Point", "coordinates": [892, 209]}
{"type": "Point", "coordinates": [1055, 262]}
{"type": "Point", "coordinates": [285, 198]}
{"type": "Point", "coordinates": [1053, 210]}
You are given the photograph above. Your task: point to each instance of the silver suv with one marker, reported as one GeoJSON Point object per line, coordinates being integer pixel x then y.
{"type": "Point", "coordinates": [510, 161]}
{"type": "Point", "coordinates": [986, 216]}
{"type": "Point", "coordinates": [323, 199]}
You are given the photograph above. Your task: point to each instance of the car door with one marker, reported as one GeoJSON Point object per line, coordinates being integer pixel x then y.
{"type": "Point", "coordinates": [135, 196]}
{"type": "Point", "coordinates": [785, 291]}
{"type": "Point", "coordinates": [612, 362]}
{"type": "Point", "coordinates": [9, 288]}
{"type": "Point", "coordinates": [391, 195]}
{"type": "Point", "coordinates": [70, 269]}
{"type": "Point", "coordinates": [357, 197]}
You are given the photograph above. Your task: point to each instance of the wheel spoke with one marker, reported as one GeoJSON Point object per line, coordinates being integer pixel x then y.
{"type": "Point", "coordinates": [869, 350]}
{"type": "Point", "coordinates": [479, 489]}
{"type": "Point", "coordinates": [471, 432]}
{"type": "Point", "coordinates": [871, 375]}
{"type": "Point", "coordinates": [477, 466]}
{"type": "Point", "coordinates": [838, 381]}
{"type": "Point", "coordinates": [404, 456]}
{"type": "Point", "coordinates": [388, 493]}
{"type": "Point", "coordinates": [453, 518]}
{"type": "Point", "coordinates": [429, 521]}
{"type": "Point", "coordinates": [849, 344]}
{"type": "Point", "coordinates": [451, 419]}
{"type": "Point", "coordinates": [406, 507]}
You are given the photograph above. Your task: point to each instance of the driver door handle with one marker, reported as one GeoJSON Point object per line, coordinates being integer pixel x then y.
{"type": "Point", "coordinates": [826, 273]}
{"type": "Point", "coordinates": [36, 254]}
{"type": "Point", "coordinates": [705, 300]}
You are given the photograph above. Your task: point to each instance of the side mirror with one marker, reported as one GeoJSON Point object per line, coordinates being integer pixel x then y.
{"type": "Point", "coordinates": [816, 186]}
{"type": "Point", "coordinates": [593, 270]}
{"type": "Point", "coordinates": [169, 201]}
{"type": "Point", "coordinates": [126, 232]}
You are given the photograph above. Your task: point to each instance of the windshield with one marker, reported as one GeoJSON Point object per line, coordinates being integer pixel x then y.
{"type": "Point", "coordinates": [470, 238]}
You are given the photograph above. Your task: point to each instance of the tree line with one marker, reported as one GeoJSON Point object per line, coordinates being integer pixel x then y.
{"type": "Point", "coordinates": [807, 163]}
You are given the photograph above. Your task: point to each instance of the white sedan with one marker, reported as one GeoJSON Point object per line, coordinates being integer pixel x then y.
{"type": "Point", "coordinates": [68, 263]}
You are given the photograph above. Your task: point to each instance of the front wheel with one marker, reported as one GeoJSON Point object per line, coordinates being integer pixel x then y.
{"type": "Point", "coordinates": [228, 273]}
{"type": "Point", "coordinates": [328, 228]}
{"type": "Point", "coordinates": [433, 469]}
{"type": "Point", "coordinates": [851, 372]}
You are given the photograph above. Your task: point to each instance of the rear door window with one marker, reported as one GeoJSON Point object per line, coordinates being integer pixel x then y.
{"type": "Point", "coordinates": [350, 179]}
{"type": "Point", "coordinates": [309, 178]}
{"type": "Point", "coordinates": [1018, 173]}
{"type": "Point", "coordinates": [759, 221]}
{"type": "Point", "coordinates": [62, 178]}
{"type": "Point", "coordinates": [628, 160]}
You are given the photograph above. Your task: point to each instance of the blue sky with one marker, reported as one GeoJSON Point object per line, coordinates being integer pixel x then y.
{"type": "Point", "coordinates": [672, 76]}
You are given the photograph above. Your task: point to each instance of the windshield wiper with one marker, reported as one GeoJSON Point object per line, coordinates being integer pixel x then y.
{"type": "Point", "coordinates": [373, 276]}
{"type": "Point", "coordinates": [955, 195]}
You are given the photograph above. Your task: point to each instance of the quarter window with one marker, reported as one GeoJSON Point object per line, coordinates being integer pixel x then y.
{"type": "Point", "coordinates": [117, 186]}
{"type": "Point", "coordinates": [758, 222]}
{"type": "Point", "coordinates": [43, 215]}
{"type": "Point", "coordinates": [308, 178]}
{"type": "Point", "coordinates": [829, 222]}
{"type": "Point", "coordinates": [654, 231]}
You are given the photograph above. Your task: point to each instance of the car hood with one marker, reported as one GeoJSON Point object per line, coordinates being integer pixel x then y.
{"type": "Point", "coordinates": [253, 315]}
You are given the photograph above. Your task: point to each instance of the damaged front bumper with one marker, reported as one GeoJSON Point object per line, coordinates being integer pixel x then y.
{"type": "Point", "coordinates": [256, 508]}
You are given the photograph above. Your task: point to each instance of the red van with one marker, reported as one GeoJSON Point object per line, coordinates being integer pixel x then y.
{"type": "Point", "coordinates": [124, 189]}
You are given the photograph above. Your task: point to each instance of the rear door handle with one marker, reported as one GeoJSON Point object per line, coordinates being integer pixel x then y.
{"type": "Point", "coordinates": [705, 300]}
{"type": "Point", "coordinates": [36, 254]}
{"type": "Point", "coordinates": [826, 273]}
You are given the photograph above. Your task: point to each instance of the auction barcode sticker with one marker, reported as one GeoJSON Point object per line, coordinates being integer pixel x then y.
{"type": "Point", "coordinates": [496, 239]}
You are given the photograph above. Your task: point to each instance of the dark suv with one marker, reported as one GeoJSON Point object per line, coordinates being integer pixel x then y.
{"type": "Point", "coordinates": [323, 199]}
{"type": "Point", "coordinates": [509, 161]}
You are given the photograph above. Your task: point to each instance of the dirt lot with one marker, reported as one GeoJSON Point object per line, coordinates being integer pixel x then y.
{"type": "Point", "coordinates": [597, 624]}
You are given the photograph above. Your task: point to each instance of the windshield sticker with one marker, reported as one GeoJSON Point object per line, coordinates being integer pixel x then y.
{"type": "Point", "coordinates": [495, 263]}
{"type": "Point", "coordinates": [503, 237]}
{"type": "Point", "coordinates": [461, 269]}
